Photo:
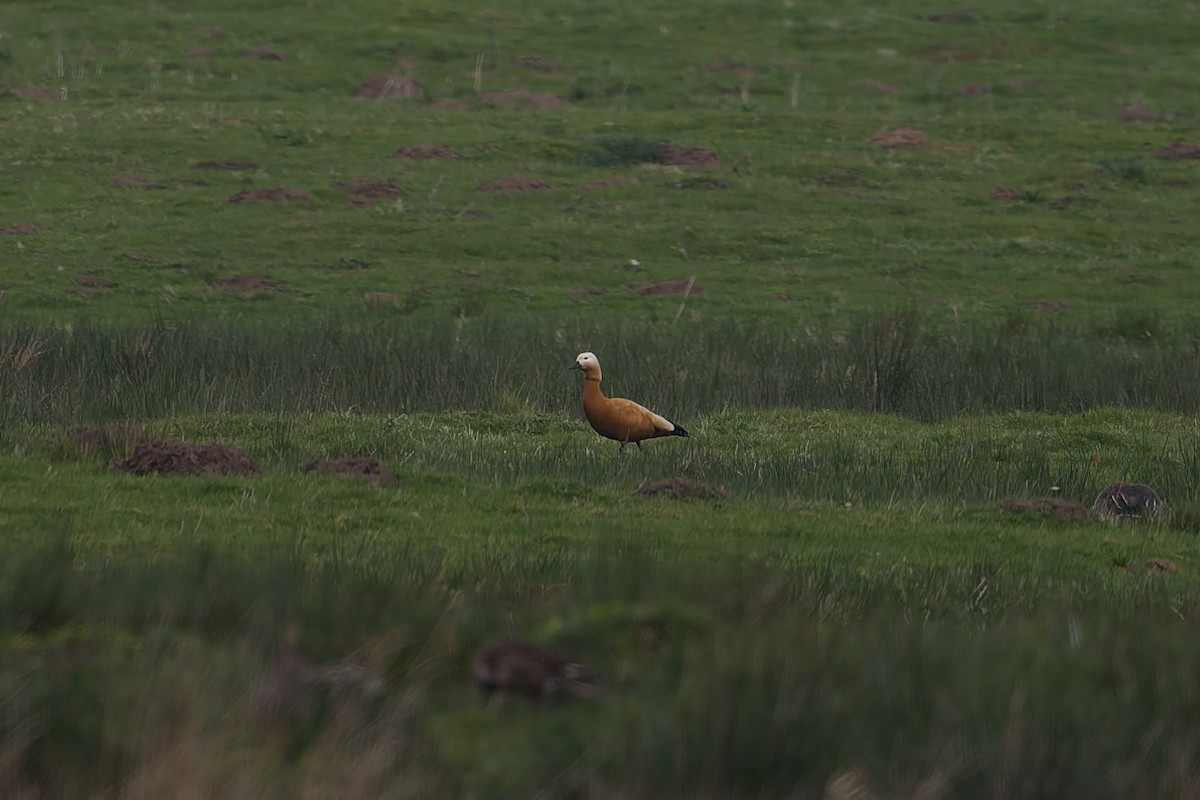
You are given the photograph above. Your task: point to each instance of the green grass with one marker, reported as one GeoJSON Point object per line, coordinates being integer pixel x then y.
{"type": "Point", "coordinates": [876, 351]}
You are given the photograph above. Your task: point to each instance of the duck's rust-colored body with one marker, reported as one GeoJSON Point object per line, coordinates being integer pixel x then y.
{"type": "Point", "coordinates": [615, 418]}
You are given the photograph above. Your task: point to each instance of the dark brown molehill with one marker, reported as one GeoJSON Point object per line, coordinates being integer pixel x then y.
{"type": "Point", "coordinates": [537, 63]}
{"type": "Point", "coordinates": [1121, 499]}
{"type": "Point", "coordinates": [1005, 194]}
{"type": "Point", "coordinates": [173, 457]}
{"type": "Point", "coordinates": [274, 194]}
{"type": "Point", "coordinates": [371, 188]}
{"type": "Point", "coordinates": [88, 294]}
{"type": "Point", "coordinates": [18, 228]}
{"type": "Point", "coordinates": [1059, 507]}
{"type": "Point", "coordinates": [424, 151]}
{"type": "Point", "coordinates": [389, 87]}
{"type": "Point", "coordinates": [265, 52]}
{"type": "Point", "coordinates": [514, 182]}
{"type": "Point", "coordinates": [245, 283]}
{"type": "Point", "coordinates": [975, 89]}
{"type": "Point", "coordinates": [683, 489]}
{"type": "Point", "coordinates": [358, 467]}
{"type": "Point", "coordinates": [228, 165]}
{"type": "Point", "coordinates": [94, 281]}
{"type": "Point", "coordinates": [899, 138]}
{"type": "Point", "coordinates": [1179, 149]}
{"type": "Point", "coordinates": [524, 668]}
{"type": "Point", "coordinates": [1025, 83]}
{"type": "Point", "coordinates": [651, 288]}
{"type": "Point", "coordinates": [684, 155]}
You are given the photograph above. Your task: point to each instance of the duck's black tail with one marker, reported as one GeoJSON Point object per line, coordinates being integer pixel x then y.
{"type": "Point", "coordinates": [679, 431]}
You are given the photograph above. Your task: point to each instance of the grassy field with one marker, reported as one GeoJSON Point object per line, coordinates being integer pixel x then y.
{"type": "Point", "coordinates": [887, 357]}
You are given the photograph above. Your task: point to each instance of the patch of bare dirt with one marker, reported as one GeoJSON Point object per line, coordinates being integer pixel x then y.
{"type": "Point", "coordinates": [899, 138]}
{"type": "Point", "coordinates": [198, 52]}
{"type": "Point", "coordinates": [531, 670]}
{"type": "Point", "coordinates": [227, 165]}
{"type": "Point", "coordinates": [701, 182]}
{"type": "Point", "coordinates": [426, 151]}
{"type": "Point", "coordinates": [356, 467]}
{"type": "Point", "coordinates": [88, 294]}
{"type": "Point", "coordinates": [683, 489]}
{"type": "Point", "coordinates": [94, 281]}
{"type": "Point", "coordinates": [590, 291]}
{"type": "Point", "coordinates": [514, 182]}
{"type": "Point", "coordinates": [174, 457]}
{"type": "Point", "coordinates": [1059, 507]}
{"type": "Point", "coordinates": [783, 297]}
{"type": "Point", "coordinates": [683, 155]}
{"type": "Point", "coordinates": [523, 98]}
{"type": "Point", "coordinates": [975, 89]}
{"type": "Point", "coordinates": [1005, 194]}
{"type": "Point", "coordinates": [652, 288]}
{"type": "Point", "coordinates": [537, 63]}
{"type": "Point", "coordinates": [130, 180]}
{"type": "Point", "coordinates": [1137, 113]}
{"type": "Point", "coordinates": [389, 87]}
{"type": "Point", "coordinates": [1156, 564]}
{"type": "Point", "coordinates": [245, 283]}
{"type": "Point", "coordinates": [37, 93]}
{"type": "Point", "coordinates": [1025, 83]}
{"type": "Point", "coordinates": [1179, 149]}
{"type": "Point", "coordinates": [1121, 499]}
{"type": "Point", "coordinates": [274, 194]}
{"type": "Point", "coordinates": [881, 86]}
{"type": "Point", "coordinates": [18, 228]}
{"type": "Point", "coordinates": [1048, 304]}
{"type": "Point", "coordinates": [374, 188]}
{"type": "Point", "coordinates": [264, 52]}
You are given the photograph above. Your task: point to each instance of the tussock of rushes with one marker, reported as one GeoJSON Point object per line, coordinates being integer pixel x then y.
{"type": "Point", "coordinates": [894, 364]}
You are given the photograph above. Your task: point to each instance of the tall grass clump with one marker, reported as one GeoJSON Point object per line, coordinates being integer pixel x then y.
{"type": "Point", "coordinates": [897, 363]}
{"type": "Point", "coordinates": [624, 151]}
{"type": "Point", "coordinates": [753, 683]}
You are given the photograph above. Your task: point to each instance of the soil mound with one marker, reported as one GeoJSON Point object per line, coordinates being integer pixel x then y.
{"type": "Point", "coordinates": [274, 194]}
{"type": "Point", "coordinates": [425, 151]}
{"type": "Point", "coordinates": [18, 228]}
{"type": "Point", "coordinates": [1059, 507]}
{"type": "Point", "coordinates": [652, 288]}
{"type": "Point", "coordinates": [265, 52]}
{"type": "Point", "coordinates": [1122, 499]}
{"type": "Point", "coordinates": [389, 87]}
{"type": "Point", "coordinates": [357, 467]}
{"type": "Point", "coordinates": [683, 489]}
{"type": "Point", "coordinates": [515, 183]}
{"type": "Point", "coordinates": [900, 138]}
{"type": "Point", "coordinates": [371, 187]}
{"type": "Point", "coordinates": [130, 180]}
{"type": "Point", "coordinates": [684, 155]}
{"type": "Point", "coordinates": [94, 281]}
{"type": "Point", "coordinates": [1179, 149]}
{"type": "Point", "coordinates": [245, 283]}
{"type": "Point", "coordinates": [174, 457]}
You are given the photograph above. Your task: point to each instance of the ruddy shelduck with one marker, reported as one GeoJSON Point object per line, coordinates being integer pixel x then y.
{"type": "Point", "coordinates": [614, 417]}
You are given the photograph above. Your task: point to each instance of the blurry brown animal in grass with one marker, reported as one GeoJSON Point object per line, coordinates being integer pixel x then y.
{"type": "Point", "coordinates": [1122, 499]}
{"type": "Point", "coordinates": [530, 670]}
{"type": "Point", "coordinates": [616, 418]}
{"type": "Point", "coordinates": [290, 689]}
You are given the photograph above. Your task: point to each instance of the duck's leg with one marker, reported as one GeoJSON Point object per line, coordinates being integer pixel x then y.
{"type": "Point", "coordinates": [639, 444]}
{"type": "Point", "coordinates": [622, 450]}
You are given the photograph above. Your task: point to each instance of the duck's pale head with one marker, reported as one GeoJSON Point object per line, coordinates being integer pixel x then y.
{"type": "Point", "coordinates": [588, 363]}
